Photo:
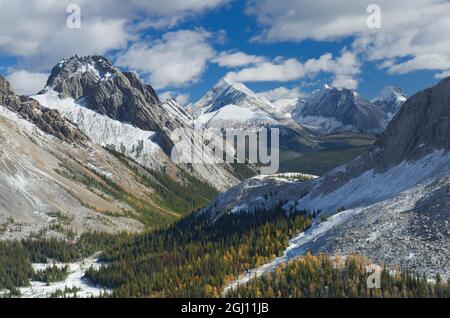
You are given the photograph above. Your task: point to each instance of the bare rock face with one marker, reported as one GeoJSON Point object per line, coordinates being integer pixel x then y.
{"type": "Point", "coordinates": [390, 100]}
{"type": "Point", "coordinates": [118, 95]}
{"type": "Point", "coordinates": [5, 87]}
{"type": "Point", "coordinates": [344, 108]}
{"type": "Point", "coordinates": [48, 120]}
{"type": "Point", "coordinates": [420, 127]}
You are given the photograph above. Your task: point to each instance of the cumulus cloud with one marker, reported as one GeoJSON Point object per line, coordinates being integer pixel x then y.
{"type": "Point", "coordinates": [281, 93]}
{"type": "Point", "coordinates": [344, 69]}
{"type": "Point", "coordinates": [236, 59]}
{"type": "Point", "coordinates": [279, 71]}
{"type": "Point", "coordinates": [36, 30]}
{"type": "Point", "coordinates": [26, 83]}
{"type": "Point", "coordinates": [443, 74]}
{"type": "Point", "coordinates": [182, 99]}
{"type": "Point", "coordinates": [411, 32]}
{"type": "Point", "coordinates": [178, 59]}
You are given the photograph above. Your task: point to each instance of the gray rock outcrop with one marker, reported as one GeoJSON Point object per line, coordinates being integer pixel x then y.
{"type": "Point", "coordinates": [48, 120]}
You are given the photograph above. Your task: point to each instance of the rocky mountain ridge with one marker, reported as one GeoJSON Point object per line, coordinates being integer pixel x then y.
{"type": "Point", "coordinates": [392, 187]}
{"type": "Point", "coordinates": [330, 110]}
{"type": "Point", "coordinates": [48, 120]}
{"type": "Point", "coordinates": [390, 99]}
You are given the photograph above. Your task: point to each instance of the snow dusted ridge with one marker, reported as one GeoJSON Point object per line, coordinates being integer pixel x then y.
{"type": "Point", "coordinates": [363, 190]}
{"type": "Point", "coordinates": [93, 66]}
{"type": "Point", "coordinates": [390, 99]}
{"type": "Point", "coordinates": [372, 187]}
{"type": "Point", "coordinates": [22, 124]}
{"type": "Point", "coordinates": [233, 114]}
{"type": "Point", "coordinates": [329, 110]}
{"type": "Point", "coordinates": [134, 142]}
{"type": "Point", "coordinates": [104, 131]}
{"type": "Point", "coordinates": [232, 103]}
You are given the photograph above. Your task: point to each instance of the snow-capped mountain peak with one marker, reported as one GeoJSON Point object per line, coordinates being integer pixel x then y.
{"type": "Point", "coordinates": [390, 99]}
{"type": "Point", "coordinates": [391, 92]}
{"type": "Point", "coordinates": [95, 68]}
{"type": "Point", "coordinates": [331, 109]}
{"type": "Point", "coordinates": [227, 92]}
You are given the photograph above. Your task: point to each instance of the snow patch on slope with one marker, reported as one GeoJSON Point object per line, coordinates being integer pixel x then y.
{"type": "Point", "coordinates": [22, 124]}
{"type": "Point", "coordinates": [104, 131]}
{"type": "Point", "coordinates": [74, 280]}
{"type": "Point", "coordinates": [324, 124]}
{"type": "Point", "coordinates": [233, 113]}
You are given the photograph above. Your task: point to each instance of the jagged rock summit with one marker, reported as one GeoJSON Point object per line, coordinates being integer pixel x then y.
{"type": "Point", "coordinates": [390, 99]}
{"type": "Point", "coordinates": [331, 110]}
{"type": "Point", "coordinates": [96, 84]}
{"type": "Point", "coordinates": [48, 120]}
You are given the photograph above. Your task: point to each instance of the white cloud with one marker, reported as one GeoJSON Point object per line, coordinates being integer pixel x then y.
{"type": "Point", "coordinates": [182, 99]}
{"type": "Point", "coordinates": [26, 83]}
{"type": "Point", "coordinates": [411, 32]}
{"type": "Point", "coordinates": [36, 30]}
{"type": "Point", "coordinates": [236, 59]}
{"type": "Point", "coordinates": [279, 71]}
{"type": "Point", "coordinates": [178, 59]}
{"type": "Point", "coordinates": [281, 93]}
{"type": "Point", "coordinates": [95, 37]}
{"type": "Point", "coordinates": [344, 68]}
{"type": "Point", "coordinates": [169, 12]}
{"type": "Point", "coordinates": [426, 61]}
{"type": "Point", "coordinates": [443, 74]}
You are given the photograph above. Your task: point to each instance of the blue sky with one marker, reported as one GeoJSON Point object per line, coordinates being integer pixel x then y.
{"type": "Point", "coordinates": [280, 48]}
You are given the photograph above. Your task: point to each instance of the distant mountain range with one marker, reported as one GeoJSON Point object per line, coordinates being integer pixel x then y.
{"type": "Point", "coordinates": [327, 110]}
{"type": "Point", "coordinates": [331, 110]}
{"type": "Point", "coordinates": [390, 204]}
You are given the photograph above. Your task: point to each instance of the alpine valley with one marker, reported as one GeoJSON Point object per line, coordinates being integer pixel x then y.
{"type": "Point", "coordinates": [93, 204]}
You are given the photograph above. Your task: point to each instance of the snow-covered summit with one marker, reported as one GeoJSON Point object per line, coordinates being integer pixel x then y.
{"type": "Point", "coordinates": [390, 99]}
{"type": "Point", "coordinates": [226, 92]}
{"type": "Point", "coordinates": [94, 68]}
{"type": "Point", "coordinates": [331, 109]}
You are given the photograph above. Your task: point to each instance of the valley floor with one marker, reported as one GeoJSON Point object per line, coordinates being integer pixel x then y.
{"type": "Point", "coordinates": [74, 284]}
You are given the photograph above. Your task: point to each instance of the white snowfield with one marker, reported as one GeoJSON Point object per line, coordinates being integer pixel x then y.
{"type": "Point", "coordinates": [104, 131]}
{"type": "Point", "coordinates": [74, 280]}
